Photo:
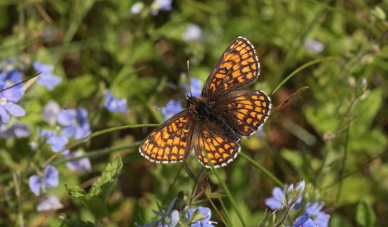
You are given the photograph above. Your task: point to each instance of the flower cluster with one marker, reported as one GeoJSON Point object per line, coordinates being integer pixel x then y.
{"type": "Point", "coordinates": [12, 91]}
{"type": "Point", "coordinates": [50, 179]}
{"type": "Point", "coordinates": [75, 124]}
{"type": "Point", "coordinates": [291, 198]}
{"type": "Point", "coordinates": [196, 217]}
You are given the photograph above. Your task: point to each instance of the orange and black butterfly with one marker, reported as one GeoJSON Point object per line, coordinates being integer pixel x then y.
{"type": "Point", "coordinates": [214, 123]}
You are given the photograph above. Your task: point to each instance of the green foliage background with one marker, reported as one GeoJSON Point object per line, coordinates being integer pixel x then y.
{"type": "Point", "coordinates": [333, 136]}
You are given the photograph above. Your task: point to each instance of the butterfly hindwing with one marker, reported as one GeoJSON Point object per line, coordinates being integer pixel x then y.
{"type": "Point", "coordinates": [244, 110]}
{"type": "Point", "coordinates": [171, 141]}
{"type": "Point", "coordinates": [216, 142]}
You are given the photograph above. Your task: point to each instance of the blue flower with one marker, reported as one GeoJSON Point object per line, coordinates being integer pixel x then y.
{"type": "Point", "coordinates": [205, 222]}
{"type": "Point", "coordinates": [12, 63]}
{"type": "Point", "coordinates": [160, 5]}
{"type": "Point", "coordinates": [196, 87]}
{"type": "Point", "coordinates": [11, 77]}
{"type": "Point", "coordinates": [46, 78]}
{"type": "Point", "coordinates": [193, 33]}
{"type": "Point", "coordinates": [49, 203]}
{"type": "Point", "coordinates": [115, 105]}
{"type": "Point", "coordinates": [171, 109]}
{"type": "Point", "coordinates": [79, 165]}
{"type": "Point", "coordinates": [322, 219]}
{"type": "Point", "coordinates": [75, 122]}
{"type": "Point", "coordinates": [313, 208]}
{"type": "Point", "coordinates": [17, 130]}
{"type": "Point", "coordinates": [169, 219]}
{"type": "Point", "coordinates": [304, 221]}
{"type": "Point", "coordinates": [8, 100]}
{"type": "Point", "coordinates": [137, 7]}
{"type": "Point", "coordinates": [50, 112]}
{"type": "Point", "coordinates": [275, 202]}
{"type": "Point", "coordinates": [57, 142]}
{"type": "Point", "coordinates": [49, 180]}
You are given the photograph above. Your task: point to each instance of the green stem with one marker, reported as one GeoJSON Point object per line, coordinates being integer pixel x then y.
{"type": "Point", "coordinates": [262, 169]}
{"type": "Point", "coordinates": [75, 143]}
{"type": "Point", "coordinates": [331, 58]}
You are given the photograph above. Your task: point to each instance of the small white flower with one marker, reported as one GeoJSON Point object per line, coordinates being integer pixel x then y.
{"type": "Point", "coordinates": [314, 46]}
{"type": "Point", "coordinates": [193, 33]}
{"type": "Point", "coordinates": [137, 7]}
{"type": "Point", "coordinates": [49, 203]}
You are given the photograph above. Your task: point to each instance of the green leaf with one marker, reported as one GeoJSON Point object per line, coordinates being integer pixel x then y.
{"type": "Point", "coordinates": [78, 223]}
{"type": "Point", "coordinates": [95, 204]}
{"type": "Point", "coordinates": [365, 216]}
{"type": "Point", "coordinates": [75, 191]}
{"type": "Point", "coordinates": [104, 184]}
{"type": "Point", "coordinates": [95, 200]}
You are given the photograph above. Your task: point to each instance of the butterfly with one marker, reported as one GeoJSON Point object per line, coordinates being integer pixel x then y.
{"type": "Point", "coordinates": [214, 123]}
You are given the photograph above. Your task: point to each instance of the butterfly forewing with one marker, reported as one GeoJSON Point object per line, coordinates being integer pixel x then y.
{"type": "Point", "coordinates": [171, 141]}
{"type": "Point", "coordinates": [237, 67]}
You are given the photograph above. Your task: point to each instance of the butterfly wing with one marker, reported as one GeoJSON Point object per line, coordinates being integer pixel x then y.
{"type": "Point", "coordinates": [244, 110]}
{"type": "Point", "coordinates": [171, 141]}
{"type": "Point", "coordinates": [237, 67]}
{"type": "Point", "coordinates": [215, 142]}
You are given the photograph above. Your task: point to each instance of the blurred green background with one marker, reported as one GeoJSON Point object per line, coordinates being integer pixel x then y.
{"type": "Point", "coordinates": [333, 136]}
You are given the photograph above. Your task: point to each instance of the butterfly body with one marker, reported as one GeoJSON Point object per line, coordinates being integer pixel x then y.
{"type": "Point", "coordinates": [214, 123]}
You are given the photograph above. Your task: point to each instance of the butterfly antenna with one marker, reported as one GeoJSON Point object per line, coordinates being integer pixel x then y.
{"type": "Point", "coordinates": [188, 75]}
{"type": "Point", "coordinates": [281, 106]}
{"type": "Point", "coordinates": [156, 109]}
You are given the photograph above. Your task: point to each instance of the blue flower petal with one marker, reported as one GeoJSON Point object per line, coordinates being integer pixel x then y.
{"type": "Point", "coordinates": [13, 94]}
{"type": "Point", "coordinates": [81, 132]}
{"type": "Point", "coordinates": [273, 203]}
{"type": "Point", "coordinates": [278, 194]}
{"type": "Point", "coordinates": [300, 222]}
{"type": "Point", "coordinates": [35, 182]}
{"type": "Point", "coordinates": [51, 176]}
{"type": "Point", "coordinates": [322, 219]}
{"type": "Point", "coordinates": [4, 115]}
{"type": "Point", "coordinates": [68, 131]}
{"type": "Point", "coordinates": [66, 117]}
{"type": "Point", "coordinates": [15, 109]}
{"type": "Point", "coordinates": [314, 208]}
